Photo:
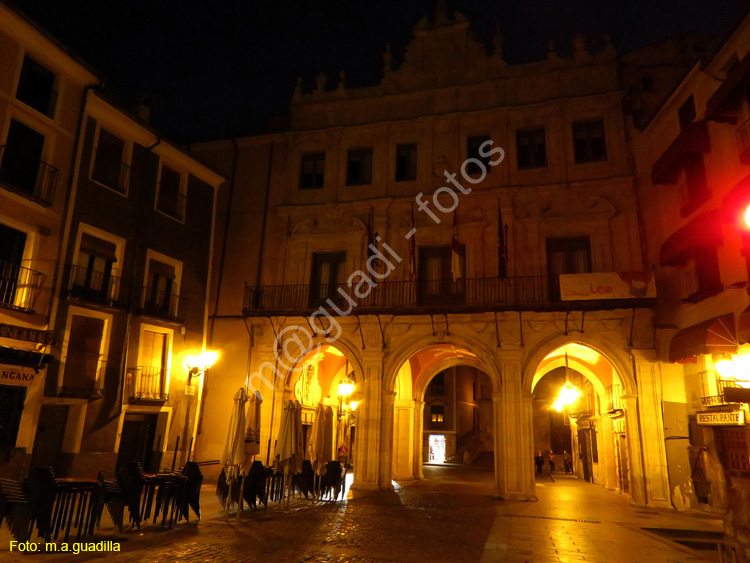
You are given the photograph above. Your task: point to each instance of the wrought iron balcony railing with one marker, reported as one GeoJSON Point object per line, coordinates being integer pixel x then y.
{"type": "Point", "coordinates": [721, 386]}
{"type": "Point", "coordinates": [92, 286]}
{"type": "Point", "coordinates": [115, 176]}
{"type": "Point", "coordinates": [160, 304]}
{"type": "Point", "coordinates": [19, 287]}
{"type": "Point", "coordinates": [419, 296]}
{"type": "Point", "coordinates": [148, 383]}
{"type": "Point", "coordinates": [83, 375]}
{"type": "Point", "coordinates": [25, 174]}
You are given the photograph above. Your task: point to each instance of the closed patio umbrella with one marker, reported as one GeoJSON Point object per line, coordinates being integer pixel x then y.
{"type": "Point", "coordinates": [286, 444]}
{"type": "Point", "coordinates": [318, 440]}
{"type": "Point", "coordinates": [233, 453]}
{"type": "Point", "coordinates": [252, 431]}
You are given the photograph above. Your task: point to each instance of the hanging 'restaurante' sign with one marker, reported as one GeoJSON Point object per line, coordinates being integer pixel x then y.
{"type": "Point", "coordinates": [721, 418]}
{"type": "Point", "coordinates": [607, 285]}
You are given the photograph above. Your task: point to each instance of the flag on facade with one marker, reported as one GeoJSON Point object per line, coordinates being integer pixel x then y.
{"type": "Point", "coordinates": [502, 249]}
{"type": "Point", "coordinates": [455, 252]}
{"type": "Point", "coordinates": [412, 249]}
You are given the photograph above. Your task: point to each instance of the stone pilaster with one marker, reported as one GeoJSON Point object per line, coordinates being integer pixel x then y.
{"type": "Point", "coordinates": [386, 441]}
{"type": "Point", "coordinates": [368, 431]}
{"type": "Point", "coordinates": [403, 439]}
{"type": "Point", "coordinates": [418, 439]}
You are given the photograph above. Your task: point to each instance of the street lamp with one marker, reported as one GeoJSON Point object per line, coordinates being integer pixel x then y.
{"type": "Point", "coordinates": [197, 365]}
{"type": "Point", "coordinates": [346, 388]}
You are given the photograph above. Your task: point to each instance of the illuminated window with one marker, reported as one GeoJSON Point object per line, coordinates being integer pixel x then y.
{"type": "Point", "coordinates": [437, 413]}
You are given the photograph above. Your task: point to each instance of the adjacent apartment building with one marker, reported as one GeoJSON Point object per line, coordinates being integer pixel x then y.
{"type": "Point", "coordinates": [106, 241]}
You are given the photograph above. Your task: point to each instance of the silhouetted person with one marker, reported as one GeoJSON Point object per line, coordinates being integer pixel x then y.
{"type": "Point", "coordinates": [568, 461]}
{"type": "Point", "coordinates": [551, 458]}
{"type": "Point", "coordinates": [539, 460]}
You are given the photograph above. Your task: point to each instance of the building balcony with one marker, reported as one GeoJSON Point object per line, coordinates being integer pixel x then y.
{"type": "Point", "coordinates": [25, 174]}
{"type": "Point", "coordinates": [524, 293]}
{"type": "Point", "coordinates": [19, 287]}
{"type": "Point", "coordinates": [147, 383]}
{"type": "Point", "coordinates": [721, 386]}
{"type": "Point", "coordinates": [115, 176]}
{"type": "Point", "coordinates": [101, 288]}
{"type": "Point", "coordinates": [160, 304]}
{"type": "Point", "coordinates": [83, 376]}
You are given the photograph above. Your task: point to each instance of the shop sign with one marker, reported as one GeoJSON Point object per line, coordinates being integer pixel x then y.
{"type": "Point", "coordinates": [722, 418]}
{"type": "Point", "coordinates": [607, 285]}
{"type": "Point", "coordinates": [584, 424]}
{"type": "Point", "coordinates": [18, 375]}
{"type": "Point", "coordinates": [27, 334]}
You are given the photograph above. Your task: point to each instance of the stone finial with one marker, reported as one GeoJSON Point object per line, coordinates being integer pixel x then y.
{"type": "Point", "coordinates": [497, 41]}
{"type": "Point", "coordinates": [321, 81]}
{"type": "Point", "coordinates": [579, 46]}
{"type": "Point", "coordinates": [387, 59]}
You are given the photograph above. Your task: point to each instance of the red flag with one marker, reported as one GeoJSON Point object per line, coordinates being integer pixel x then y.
{"type": "Point", "coordinates": [412, 248]}
{"type": "Point", "coordinates": [456, 252]}
{"type": "Point", "coordinates": [502, 266]}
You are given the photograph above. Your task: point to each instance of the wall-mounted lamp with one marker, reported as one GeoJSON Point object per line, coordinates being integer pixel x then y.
{"type": "Point", "coordinates": [346, 388]}
{"type": "Point", "coordinates": [200, 363]}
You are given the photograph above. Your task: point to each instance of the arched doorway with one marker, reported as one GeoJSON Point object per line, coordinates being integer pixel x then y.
{"type": "Point", "coordinates": [596, 422]}
{"type": "Point", "coordinates": [443, 411]}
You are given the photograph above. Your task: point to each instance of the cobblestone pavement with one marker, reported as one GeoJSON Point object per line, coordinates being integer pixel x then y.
{"type": "Point", "coordinates": [450, 516]}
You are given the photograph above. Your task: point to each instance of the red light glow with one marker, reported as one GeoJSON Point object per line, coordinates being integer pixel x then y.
{"type": "Point", "coordinates": [747, 217]}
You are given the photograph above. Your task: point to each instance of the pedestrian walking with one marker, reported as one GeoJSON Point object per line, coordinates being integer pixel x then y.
{"type": "Point", "coordinates": [568, 461]}
{"type": "Point", "coordinates": [551, 458]}
{"type": "Point", "coordinates": [539, 460]}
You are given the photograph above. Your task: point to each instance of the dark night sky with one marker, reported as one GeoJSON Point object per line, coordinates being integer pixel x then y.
{"type": "Point", "coordinates": [219, 68]}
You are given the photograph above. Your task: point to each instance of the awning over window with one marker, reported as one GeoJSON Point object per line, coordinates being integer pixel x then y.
{"type": "Point", "coordinates": [743, 326]}
{"type": "Point", "coordinates": [725, 102]}
{"type": "Point", "coordinates": [704, 230]}
{"type": "Point", "coordinates": [693, 139]}
{"type": "Point", "coordinates": [714, 336]}
{"type": "Point", "coordinates": [98, 247]}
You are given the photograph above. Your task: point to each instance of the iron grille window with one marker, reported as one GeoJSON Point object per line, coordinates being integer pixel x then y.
{"type": "Point", "coordinates": [531, 145]}
{"type": "Point", "coordinates": [36, 87]}
{"type": "Point", "coordinates": [406, 162]}
{"type": "Point", "coordinates": [589, 144]}
{"type": "Point", "coordinates": [312, 171]}
{"type": "Point", "coordinates": [472, 152]}
{"type": "Point", "coordinates": [359, 167]}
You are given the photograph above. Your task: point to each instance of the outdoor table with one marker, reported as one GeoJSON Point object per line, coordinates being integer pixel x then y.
{"type": "Point", "coordinates": [76, 505]}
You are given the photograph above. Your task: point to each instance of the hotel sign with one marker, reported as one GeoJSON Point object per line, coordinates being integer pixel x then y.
{"type": "Point", "coordinates": [27, 334]}
{"type": "Point", "coordinates": [607, 285]}
{"type": "Point", "coordinates": [18, 375]}
{"type": "Point", "coordinates": [724, 418]}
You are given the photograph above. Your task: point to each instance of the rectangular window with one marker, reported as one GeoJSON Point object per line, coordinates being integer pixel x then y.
{"type": "Point", "coordinates": [171, 200]}
{"type": "Point", "coordinates": [531, 145]}
{"type": "Point", "coordinates": [152, 373]}
{"type": "Point", "coordinates": [437, 384]}
{"type": "Point", "coordinates": [11, 258]}
{"type": "Point", "coordinates": [109, 162]}
{"type": "Point", "coordinates": [406, 162]}
{"type": "Point", "coordinates": [702, 275]}
{"type": "Point", "coordinates": [36, 87]}
{"type": "Point", "coordinates": [569, 255]}
{"type": "Point", "coordinates": [160, 295]}
{"type": "Point", "coordinates": [328, 274]}
{"type": "Point", "coordinates": [472, 152]}
{"type": "Point", "coordinates": [91, 277]}
{"type": "Point", "coordinates": [436, 283]}
{"type": "Point", "coordinates": [83, 360]}
{"type": "Point", "coordinates": [359, 167]}
{"type": "Point", "coordinates": [22, 155]}
{"type": "Point", "coordinates": [437, 414]}
{"type": "Point", "coordinates": [589, 144]}
{"type": "Point", "coordinates": [312, 171]}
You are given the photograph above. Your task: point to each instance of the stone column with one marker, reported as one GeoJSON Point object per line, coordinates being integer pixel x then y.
{"type": "Point", "coordinates": [609, 475]}
{"type": "Point", "coordinates": [368, 431]}
{"type": "Point", "coordinates": [418, 438]}
{"type": "Point", "coordinates": [403, 439]}
{"type": "Point", "coordinates": [386, 441]}
{"type": "Point", "coordinates": [514, 446]}
{"type": "Point", "coordinates": [651, 423]}
{"type": "Point", "coordinates": [635, 453]}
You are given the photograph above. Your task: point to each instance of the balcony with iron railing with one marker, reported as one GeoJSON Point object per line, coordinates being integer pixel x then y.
{"type": "Point", "coordinates": [721, 386]}
{"type": "Point", "coordinates": [114, 175]}
{"type": "Point", "coordinates": [743, 142]}
{"type": "Point", "coordinates": [160, 304]}
{"type": "Point", "coordinates": [92, 286]}
{"type": "Point", "coordinates": [82, 375]}
{"type": "Point", "coordinates": [416, 297]}
{"type": "Point", "coordinates": [27, 175]}
{"type": "Point", "coordinates": [19, 287]}
{"type": "Point", "coordinates": [148, 383]}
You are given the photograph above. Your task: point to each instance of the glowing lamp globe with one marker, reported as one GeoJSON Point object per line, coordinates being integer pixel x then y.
{"type": "Point", "coordinates": [346, 387]}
